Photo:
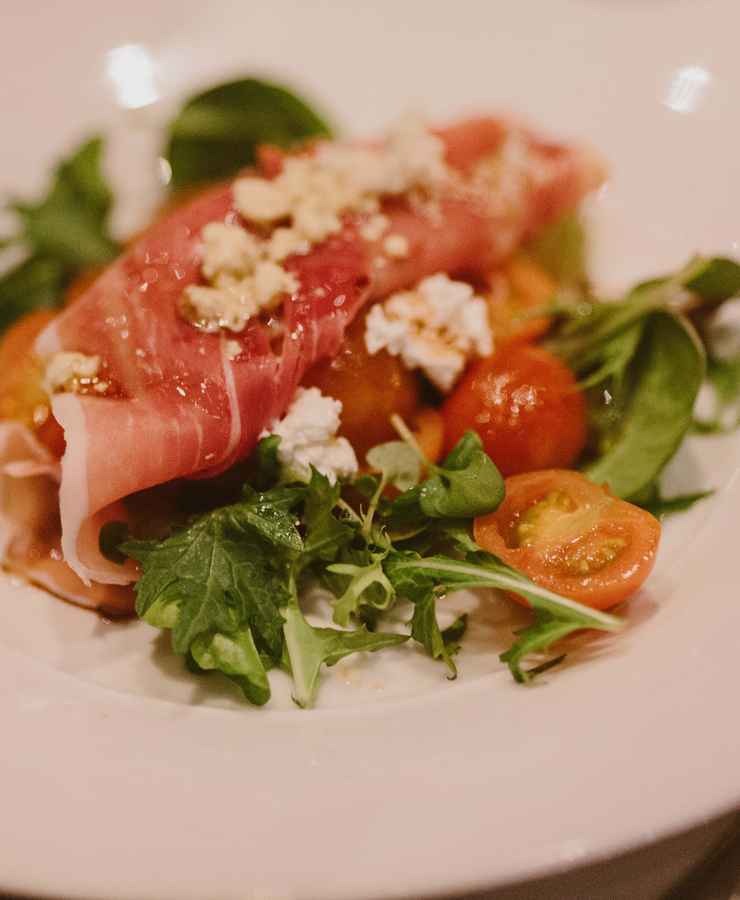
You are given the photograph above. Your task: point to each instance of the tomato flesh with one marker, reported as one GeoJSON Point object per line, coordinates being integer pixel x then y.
{"type": "Point", "coordinates": [517, 291]}
{"type": "Point", "coordinates": [371, 389]}
{"type": "Point", "coordinates": [572, 536]}
{"type": "Point", "coordinates": [526, 407]}
{"type": "Point", "coordinates": [22, 396]}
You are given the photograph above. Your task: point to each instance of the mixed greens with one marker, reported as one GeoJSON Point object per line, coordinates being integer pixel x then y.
{"type": "Point", "coordinates": [228, 583]}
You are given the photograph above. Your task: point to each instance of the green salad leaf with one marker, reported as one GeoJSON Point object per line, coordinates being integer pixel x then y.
{"type": "Point", "coordinates": [63, 234]}
{"type": "Point", "coordinates": [661, 506]}
{"type": "Point", "coordinates": [69, 225]}
{"type": "Point", "coordinates": [642, 363]}
{"type": "Point", "coordinates": [309, 648]}
{"type": "Point", "coordinates": [655, 409]}
{"type": "Point", "coordinates": [466, 484]}
{"type": "Point", "coordinates": [217, 132]}
{"type": "Point", "coordinates": [227, 583]}
{"type": "Point", "coordinates": [560, 249]}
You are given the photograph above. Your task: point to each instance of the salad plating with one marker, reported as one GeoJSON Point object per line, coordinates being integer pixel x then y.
{"type": "Point", "coordinates": [376, 367]}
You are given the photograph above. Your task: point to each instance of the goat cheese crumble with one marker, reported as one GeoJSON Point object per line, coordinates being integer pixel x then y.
{"type": "Point", "coordinates": [308, 437]}
{"type": "Point", "coordinates": [301, 207]}
{"type": "Point", "coordinates": [69, 371]}
{"type": "Point", "coordinates": [243, 280]}
{"type": "Point", "coordinates": [313, 191]}
{"type": "Point", "coordinates": [436, 327]}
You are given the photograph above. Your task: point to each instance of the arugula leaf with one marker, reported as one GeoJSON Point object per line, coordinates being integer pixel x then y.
{"type": "Point", "coordinates": [412, 574]}
{"type": "Point", "coordinates": [425, 630]}
{"type": "Point", "coordinates": [237, 657]}
{"type": "Point", "coordinates": [310, 647]}
{"type": "Point", "coordinates": [325, 534]}
{"type": "Point", "coordinates": [536, 638]}
{"type": "Point", "coordinates": [217, 132]}
{"type": "Point", "coordinates": [467, 483]}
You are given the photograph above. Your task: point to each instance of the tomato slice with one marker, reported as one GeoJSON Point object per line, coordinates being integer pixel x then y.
{"type": "Point", "coordinates": [572, 536]}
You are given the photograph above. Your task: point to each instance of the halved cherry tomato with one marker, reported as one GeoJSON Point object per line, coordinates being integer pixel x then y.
{"type": "Point", "coordinates": [371, 388]}
{"type": "Point", "coordinates": [572, 536]}
{"type": "Point", "coordinates": [526, 407]}
{"type": "Point", "coordinates": [515, 292]}
{"type": "Point", "coordinates": [22, 396]}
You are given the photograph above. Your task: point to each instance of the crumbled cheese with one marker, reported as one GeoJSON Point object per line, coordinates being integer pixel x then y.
{"type": "Point", "coordinates": [309, 197]}
{"type": "Point", "coordinates": [308, 437]}
{"type": "Point", "coordinates": [228, 250]}
{"type": "Point", "coordinates": [261, 200]}
{"type": "Point", "coordinates": [375, 227]}
{"type": "Point", "coordinates": [314, 191]}
{"type": "Point", "coordinates": [396, 246]}
{"type": "Point", "coordinates": [285, 242]}
{"type": "Point", "coordinates": [233, 349]}
{"type": "Point", "coordinates": [436, 327]}
{"type": "Point", "coordinates": [68, 371]}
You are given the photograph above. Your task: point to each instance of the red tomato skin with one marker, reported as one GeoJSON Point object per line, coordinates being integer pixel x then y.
{"type": "Point", "coordinates": [526, 407]}
{"type": "Point", "coordinates": [600, 589]}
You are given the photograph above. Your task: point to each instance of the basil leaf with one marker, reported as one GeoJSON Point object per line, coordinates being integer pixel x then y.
{"type": "Point", "coordinates": [467, 483]}
{"type": "Point", "coordinates": [217, 132]}
{"type": "Point", "coordinates": [657, 407]}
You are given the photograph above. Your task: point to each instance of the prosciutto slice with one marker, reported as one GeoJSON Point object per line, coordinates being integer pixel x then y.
{"type": "Point", "coordinates": [183, 403]}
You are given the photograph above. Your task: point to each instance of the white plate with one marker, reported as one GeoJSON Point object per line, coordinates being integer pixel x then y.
{"type": "Point", "coordinates": [122, 778]}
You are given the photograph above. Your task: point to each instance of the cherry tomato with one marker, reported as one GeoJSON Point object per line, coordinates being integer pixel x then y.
{"type": "Point", "coordinates": [22, 396]}
{"type": "Point", "coordinates": [572, 536]}
{"type": "Point", "coordinates": [429, 431]}
{"type": "Point", "coordinates": [525, 405]}
{"type": "Point", "coordinates": [371, 388]}
{"type": "Point", "coordinates": [519, 289]}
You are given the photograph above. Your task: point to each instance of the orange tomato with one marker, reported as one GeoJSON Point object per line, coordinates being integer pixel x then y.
{"type": "Point", "coordinates": [519, 289]}
{"type": "Point", "coordinates": [22, 396]}
{"type": "Point", "coordinates": [572, 536]}
{"type": "Point", "coordinates": [371, 388]}
{"type": "Point", "coordinates": [429, 431]}
{"type": "Point", "coordinates": [525, 405]}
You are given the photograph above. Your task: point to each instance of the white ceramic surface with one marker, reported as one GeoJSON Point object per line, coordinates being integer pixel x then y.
{"type": "Point", "coordinates": [120, 776]}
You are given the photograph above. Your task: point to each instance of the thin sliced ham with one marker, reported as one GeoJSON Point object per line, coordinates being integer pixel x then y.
{"type": "Point", "coordinates": [182, 403]}
{"type": "Point", "coordinates": [29, 524]}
